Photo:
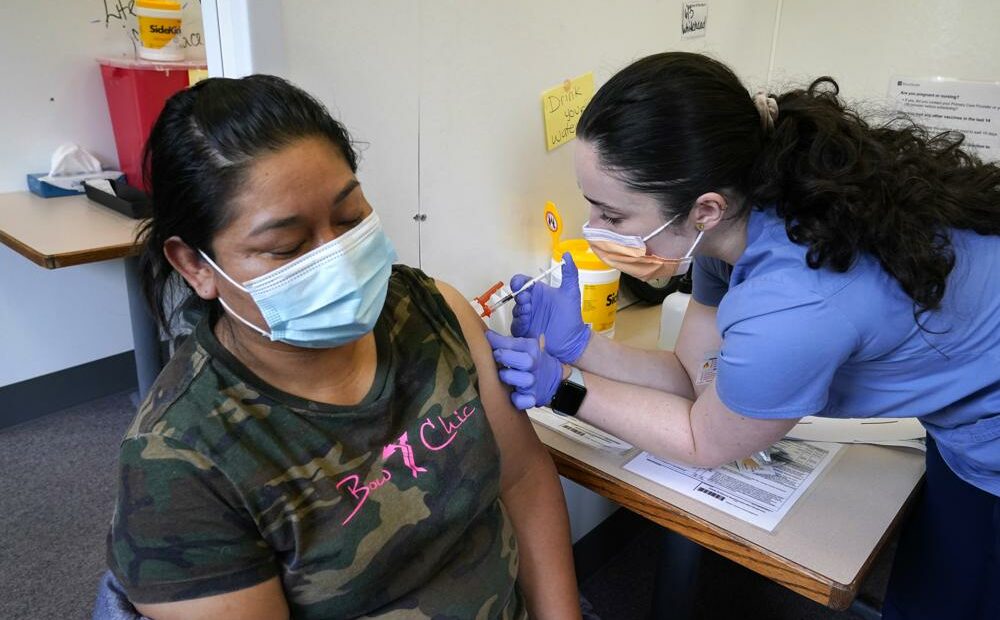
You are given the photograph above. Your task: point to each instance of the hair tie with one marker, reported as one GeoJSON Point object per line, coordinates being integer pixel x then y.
{"type": "Point", "coordinates": [767, 108]}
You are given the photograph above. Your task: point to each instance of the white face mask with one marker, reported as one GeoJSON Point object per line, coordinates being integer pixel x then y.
{"type": "Point", "coordinates": [327, 297]}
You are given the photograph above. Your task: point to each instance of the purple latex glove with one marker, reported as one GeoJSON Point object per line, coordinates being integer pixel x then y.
{"type": "Point", "coordinates": [552, 312]}
{"type": "Point", "coordinates": [534, 374]}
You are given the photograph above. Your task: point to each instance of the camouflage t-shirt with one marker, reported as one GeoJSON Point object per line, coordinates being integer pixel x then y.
{"type": "Point", "coordinates": [388, 508]}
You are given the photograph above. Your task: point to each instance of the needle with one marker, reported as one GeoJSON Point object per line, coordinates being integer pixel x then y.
{"type": "Point", "coordinates": [526, 286]}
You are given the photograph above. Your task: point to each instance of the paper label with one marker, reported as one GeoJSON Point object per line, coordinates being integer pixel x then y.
{"type": "Point", "coordinates": [600, 301]}
{"type": "Point", "coordinates": [709, 368]}
{"type": "Point", "coordinates": [694, 19]}
{"type": "Point", "coordinates": [579, 431]}
{"type": "Point", "coordinates": [158, 32]}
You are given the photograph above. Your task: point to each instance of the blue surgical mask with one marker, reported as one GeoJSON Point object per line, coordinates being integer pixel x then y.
{"type": "Point", "coordinates": [327, 297]}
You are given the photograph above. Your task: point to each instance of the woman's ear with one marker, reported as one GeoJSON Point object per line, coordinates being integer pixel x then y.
{"type": "Point", "coordinates": [709, 210]}
{"type": "Point", "coordinates": [193, 268]}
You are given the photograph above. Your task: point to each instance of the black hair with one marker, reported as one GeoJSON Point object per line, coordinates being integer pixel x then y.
{"type": "Point", "coordinates": [678, 125]}
{"type": "Point", "coordinates": [198, 154]}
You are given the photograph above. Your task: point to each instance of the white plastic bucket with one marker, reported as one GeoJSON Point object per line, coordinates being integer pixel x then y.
{"type": "Point", "coordinates": [598, 285]}
{"type": "Point", "coordinates": [159, 30]}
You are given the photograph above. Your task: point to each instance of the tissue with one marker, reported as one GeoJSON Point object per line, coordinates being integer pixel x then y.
{"type": "Point", "coordinates": [72, 165]}
{"type": "Point", "coordinates": [102, 184]}
{"type": "Point", "coordinates": [72, 159]}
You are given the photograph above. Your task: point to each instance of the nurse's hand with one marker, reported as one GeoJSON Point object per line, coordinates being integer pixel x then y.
{"type": "Point", "coordinates": [524, 366]}
{"type": "Point", "coordinates": [552, 312]}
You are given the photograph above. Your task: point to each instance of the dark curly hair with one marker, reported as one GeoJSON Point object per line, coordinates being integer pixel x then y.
{"type": "Point", "coordinates": [198, 154]}
{"type": "Point", "coordinates": [678, 125]}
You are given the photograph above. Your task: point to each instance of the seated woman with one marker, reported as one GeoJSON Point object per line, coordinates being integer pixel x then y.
{"type": "Point", "coordinates": [332, 441]}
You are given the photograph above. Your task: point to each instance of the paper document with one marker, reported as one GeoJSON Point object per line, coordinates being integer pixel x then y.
{"type": "Point", "coordinates": [761, 497]}
{"type": "Point", "coordinates": [694, 19]}
{"type": "Point", "coordinates": [939, 104]}
{"type": "Point", "coordinates": [913, 444]}
{"type": "Point", "coordinates": [905, 432]}
{"type": "Point", "coordinates": [579, 430]}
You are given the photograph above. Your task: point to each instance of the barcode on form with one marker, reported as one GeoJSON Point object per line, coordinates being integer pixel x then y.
{"type": "Point", "coordinates": [711, 493]}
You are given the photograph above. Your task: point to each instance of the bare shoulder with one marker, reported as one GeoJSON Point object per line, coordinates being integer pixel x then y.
{"type": "Point", "coordinates": [471, 324]}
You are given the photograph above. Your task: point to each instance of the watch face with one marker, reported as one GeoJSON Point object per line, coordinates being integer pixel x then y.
{"type": "Point", "coordinates": [568, 398]}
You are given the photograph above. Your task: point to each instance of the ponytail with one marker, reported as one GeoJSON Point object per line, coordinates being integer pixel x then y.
{"type": "Point", "coordinates": [893, 190]}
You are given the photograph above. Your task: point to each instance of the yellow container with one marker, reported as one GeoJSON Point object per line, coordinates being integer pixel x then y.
{"type": "Point", "coordinates": [598, 284]}
{"type": "Point", "coordinates": [159, 30]}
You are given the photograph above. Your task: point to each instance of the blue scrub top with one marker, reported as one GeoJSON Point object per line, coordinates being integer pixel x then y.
{"type": "Point", "coordinates": [800, 341]}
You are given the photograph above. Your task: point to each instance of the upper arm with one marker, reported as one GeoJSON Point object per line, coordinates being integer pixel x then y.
{"type": "Point", "coordinates": [180, 530]}
{"type": "Point", "coordinates": [781, 348]}
{"type": "Point", "coordinates": [698, 341]}
{"type": "Point", "coordinates": [511, 428]}
{"type": "Point", "coordinates": [264, 601]}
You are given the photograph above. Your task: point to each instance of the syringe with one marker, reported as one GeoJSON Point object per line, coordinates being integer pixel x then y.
{"type": "Point", "coordinates": [488, 310]}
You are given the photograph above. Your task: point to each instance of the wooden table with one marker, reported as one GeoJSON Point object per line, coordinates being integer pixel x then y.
{"type": "Point", "coordinates": [822, 549]}
{"type": "Point", "coordinates": [62, 232]}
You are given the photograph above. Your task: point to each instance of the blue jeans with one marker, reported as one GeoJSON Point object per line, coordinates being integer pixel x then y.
{"type": "Point", "coordinates": [947, 566]}
{"type": "Point", "coordinates": [112, 604]}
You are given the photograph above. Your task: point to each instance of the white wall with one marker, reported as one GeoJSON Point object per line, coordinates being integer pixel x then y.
{"type": "Point", "coordinates": [360, 59]}
{"type": "Point", "coordinates": [863, 43]}
{"type": "Point", "coordinates": [52, 94]}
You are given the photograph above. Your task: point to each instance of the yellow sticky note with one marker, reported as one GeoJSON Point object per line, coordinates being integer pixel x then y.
{"type": "Point", "coordinates": [562, 106]}
{"type": "Point", "coordinates": [196, 75]}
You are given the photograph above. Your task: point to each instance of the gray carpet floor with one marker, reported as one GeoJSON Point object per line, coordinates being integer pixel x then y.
{"type": "Point", "coordinates": [57, 492]}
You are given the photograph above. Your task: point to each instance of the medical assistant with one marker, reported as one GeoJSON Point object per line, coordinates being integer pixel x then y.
{"type": "Point", "coordinates": [800, 341]}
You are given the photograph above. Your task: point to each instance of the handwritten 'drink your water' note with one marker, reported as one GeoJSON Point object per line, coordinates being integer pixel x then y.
{"type": "Point", "coordinates": [562, 106]}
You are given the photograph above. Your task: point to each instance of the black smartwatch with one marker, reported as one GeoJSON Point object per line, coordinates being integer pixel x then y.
{"type": "Point", "coordinates": [570, 394]}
